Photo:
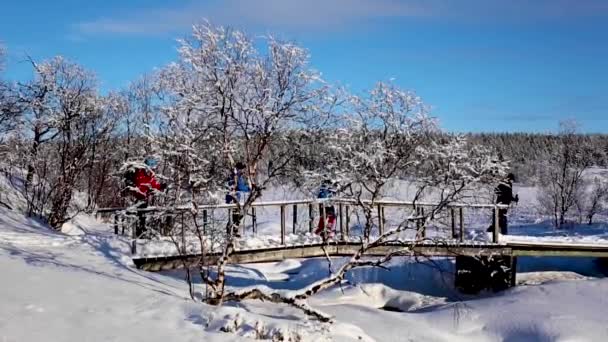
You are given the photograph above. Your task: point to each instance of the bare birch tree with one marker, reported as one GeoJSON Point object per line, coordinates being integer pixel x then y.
{"type": "Point", "coordinates": [562, 175]}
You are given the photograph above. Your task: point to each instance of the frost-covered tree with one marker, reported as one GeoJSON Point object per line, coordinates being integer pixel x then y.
{"type": "Point", "coordinates": [65, 119]}
{"type": "Point", "coordinates": [388, 134]}
{"type": "Point", "coordinates": [592, 198]}
{"type": "Point", "coordinates": [10, 104]}
{"type": "Point", "coordinates": [225, 102]}
{"type": "Point", "coordinates": [384, 135]}
{"type": "Point", "coordinates": [562, 175]}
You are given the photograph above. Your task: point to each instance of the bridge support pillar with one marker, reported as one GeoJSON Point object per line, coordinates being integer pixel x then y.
{"type": "Point", "coordinates": [495, 273]}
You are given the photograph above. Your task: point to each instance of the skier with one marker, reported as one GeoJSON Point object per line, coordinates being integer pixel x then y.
{"type": "Point", "coordinates": [326, 224]}
{"type": "Point", "coordinates": [504, 195]}
{"type": "Point", "coordinates": [237, 188]}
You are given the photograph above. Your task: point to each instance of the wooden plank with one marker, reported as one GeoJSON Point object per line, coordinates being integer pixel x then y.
{"type": "Point", "coordinates": [304, 201]}
{"type": "Point", "coordinates": [347, 249]}
{"type": "Point", "coordinates": [318, 250]}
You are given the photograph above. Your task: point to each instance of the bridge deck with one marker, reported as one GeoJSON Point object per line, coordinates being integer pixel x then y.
{"type": "Point", "coordinates": [345, 249]}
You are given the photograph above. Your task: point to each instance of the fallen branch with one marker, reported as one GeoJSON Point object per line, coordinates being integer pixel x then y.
{"type": "Point", "coordinates": [257, 294]}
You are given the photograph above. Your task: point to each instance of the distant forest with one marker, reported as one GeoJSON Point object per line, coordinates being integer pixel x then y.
{"type": "Point", "coordinates": [528, 152]}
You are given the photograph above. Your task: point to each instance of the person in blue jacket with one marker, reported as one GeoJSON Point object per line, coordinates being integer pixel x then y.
{"type": "Point", "coordinates": [326, 226]}
{"type": "Point", "coordinates": [238, 187]}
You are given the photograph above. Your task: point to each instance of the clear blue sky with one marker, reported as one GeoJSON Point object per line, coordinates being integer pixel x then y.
{"type": "Point", "coordinates": [482, 65]}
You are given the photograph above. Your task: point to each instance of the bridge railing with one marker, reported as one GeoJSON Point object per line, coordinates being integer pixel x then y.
{"type": "Point", "coordinates": [126, 220]}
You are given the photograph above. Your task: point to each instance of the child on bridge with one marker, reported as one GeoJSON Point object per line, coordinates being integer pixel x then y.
{"type": "Point", "coordinates": [237, 188]}
{"type": "Point", "coordinates": [327, 222]}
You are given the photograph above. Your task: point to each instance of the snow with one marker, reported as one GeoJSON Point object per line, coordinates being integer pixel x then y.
{"type": "Point", "coordinates": [80, 284]}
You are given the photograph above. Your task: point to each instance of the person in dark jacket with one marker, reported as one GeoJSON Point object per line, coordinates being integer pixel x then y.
{"type": "Point", "coordinates": [504, 195]}
{"type": "Point", "coordinates": [237, 188]}
{"type": "Point", "coordinates": [326, 224]}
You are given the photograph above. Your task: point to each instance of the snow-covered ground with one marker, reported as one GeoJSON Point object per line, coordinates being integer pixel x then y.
{"type": "Point", "coordinates": [80, 285]}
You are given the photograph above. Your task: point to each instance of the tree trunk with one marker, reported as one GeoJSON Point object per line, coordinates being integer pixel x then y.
{"type": "Point", "coordinates": [33, 154]}
{"type": "Point", "coordinates": [60, 206]}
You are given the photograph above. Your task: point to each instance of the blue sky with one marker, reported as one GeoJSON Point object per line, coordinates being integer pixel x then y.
{"type": "Point", "coordinates": [482, 65]}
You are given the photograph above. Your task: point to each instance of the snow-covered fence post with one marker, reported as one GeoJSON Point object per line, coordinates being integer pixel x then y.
{"type": "Point", "coordinates": [282, 224]}
{"type": "Point", "coordinates": [323, 219]}
{"type": "Point", "coordinates": [461, 216]}
{"type": "Point", "coordinates": [205, 221]}
{"type": "Point", "coordinates": [347, 221]}
{"type": "Point", "coordinates": [134, 240]}
{"type": "Point", "coordinates": [496, 225]}
{"type": "Point", "coordinates": [183, 233]}
{"type": "Point", "coordinates": [420, 224]}
{"type": "Point", "coordinates": [295, 217]}
{"type": "Point", "coordinates": [254, 220]}
{"type": "Point", "coordinates": [380, 220]}
{"type": "Point", "coordinates": [340, 208]}
{"type": "Point", "coordinates": [453, 221]}
{"type": "Point", "coordinates": [311, 217]}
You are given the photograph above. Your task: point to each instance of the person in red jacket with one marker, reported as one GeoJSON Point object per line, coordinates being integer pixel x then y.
{"type": "Point", "coordinates": [144, 185]}
{"type": "Point", "coordinates": [145, 182]}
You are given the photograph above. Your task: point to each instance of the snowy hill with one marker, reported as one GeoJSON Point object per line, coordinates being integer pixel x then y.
{"type": "Point", "coordinates": [82, 286]}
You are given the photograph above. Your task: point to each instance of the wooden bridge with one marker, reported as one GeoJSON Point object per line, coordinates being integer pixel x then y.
{"type": "Point", "coordinates": [447, 246]}
{"type": "Point", "coordinates": [346, 249]}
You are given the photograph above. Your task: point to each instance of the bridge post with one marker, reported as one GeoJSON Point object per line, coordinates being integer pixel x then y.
{"type": "Point", "coordinates": [324, 220]}
{"type": "Point", "coordinates": [495, 272]}
{"type": "Point", "coordinates": [496, 226]}
{"type": "Point", "coordinates": [347, 220]}
{"type": "Point", "coordinates": [295, 217]}
{"type": "Point", "coordinates": [461, 223]}
{"type": "Point", "coordinates": [183, 234]}
{"type": "Point", "coordinates": [282, 224]}
{"type": "Point", "coordinates": [254, 220]}
{"type": "Point", "coordinates": [311, 217]}
{"type": "Point", "coordinates": [380, 220]}
{"type": "Point", "coordinates": [134, 239]}
{"type": "Point", "coordinates": [115, 224]}
{"type": "Point", "coordinates": [453, 216]}
{"type": "Point", "coordinates": [420, 226]}
{"type": "Point", "coordinates": [513, 271]}
{"type": "Point", "coordinates": [342, 237]}
{"type": "Point", "coordinates": [205, 219]}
